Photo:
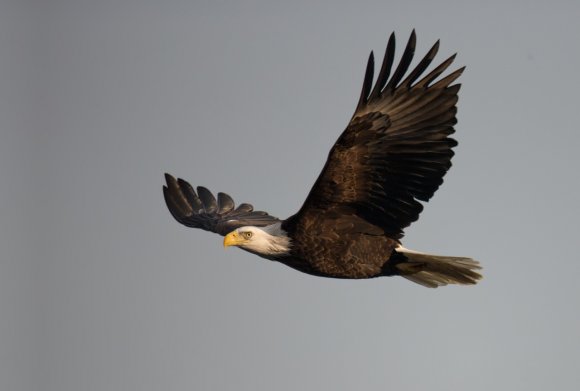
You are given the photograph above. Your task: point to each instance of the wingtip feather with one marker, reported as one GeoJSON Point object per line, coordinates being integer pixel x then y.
{"type": "Point", "coordinates": [368, 81]}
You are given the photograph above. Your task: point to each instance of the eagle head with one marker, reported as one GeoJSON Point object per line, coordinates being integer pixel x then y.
{"type": "Point", "coordinates": [269, 241]}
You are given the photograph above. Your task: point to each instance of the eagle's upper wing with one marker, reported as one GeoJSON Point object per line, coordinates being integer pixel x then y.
{"type": "Point", "coordinates": [396, 148]}
{"type": "Point", "coordinates": [202, 210]}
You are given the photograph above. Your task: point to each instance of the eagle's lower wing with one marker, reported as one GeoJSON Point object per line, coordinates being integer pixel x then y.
{"type": "Point", "coordinates": [396, 149]}
{"type": "Point", "coordinates": [202, 210]}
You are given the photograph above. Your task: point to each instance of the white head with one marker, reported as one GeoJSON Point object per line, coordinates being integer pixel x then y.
{"type": "Point", "coordinates": [269, 241]}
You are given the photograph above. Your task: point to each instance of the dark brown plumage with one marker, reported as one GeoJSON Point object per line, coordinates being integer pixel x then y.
{"type": "Point", "coordinates": [393, 154]}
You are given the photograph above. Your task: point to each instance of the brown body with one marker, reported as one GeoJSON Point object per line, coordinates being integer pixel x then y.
{"type": "Point", "coordinates": [360, 250]}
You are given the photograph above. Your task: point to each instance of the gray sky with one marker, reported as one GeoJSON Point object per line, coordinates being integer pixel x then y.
{"type": "Point", "coordinates": [100, 289]}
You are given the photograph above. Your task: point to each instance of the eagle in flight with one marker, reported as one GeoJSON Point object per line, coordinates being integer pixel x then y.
{"type": "Point", "coordinates": [392, 155]}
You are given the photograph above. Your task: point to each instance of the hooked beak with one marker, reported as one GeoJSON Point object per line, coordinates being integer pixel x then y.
{"type": "Point", "coordinates": [232, 239]}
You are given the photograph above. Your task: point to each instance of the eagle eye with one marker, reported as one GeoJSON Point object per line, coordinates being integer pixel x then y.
{"type": "Point", "coordinates": [247, 234]}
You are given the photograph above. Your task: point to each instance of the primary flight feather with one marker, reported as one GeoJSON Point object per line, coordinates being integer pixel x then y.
{"type": "Point", "coordinates": [393, 154]}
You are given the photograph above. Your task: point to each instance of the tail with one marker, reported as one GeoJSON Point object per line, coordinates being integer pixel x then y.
{"type": "Point", "coordinates": [433, 271]}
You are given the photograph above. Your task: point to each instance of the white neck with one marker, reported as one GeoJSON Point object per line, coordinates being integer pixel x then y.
{"type": "Point", "coordinates": [269, 241]}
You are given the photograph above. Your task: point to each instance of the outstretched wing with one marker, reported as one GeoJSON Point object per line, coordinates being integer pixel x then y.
{"type": "Point", "coordinates": [396, 148]}
{"type": "Point", "coordinates": [202, 210]}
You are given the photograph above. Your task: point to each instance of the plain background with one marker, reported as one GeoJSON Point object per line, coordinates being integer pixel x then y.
{"type": "Point", "coordinates": [100, 289]}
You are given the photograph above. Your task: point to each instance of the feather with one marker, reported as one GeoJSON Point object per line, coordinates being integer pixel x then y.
{"type": "Point", "coordinates": [385, 68]}
{"type": "Point", "coordinates": [367, 83]}
{"type": "Point", "coordinates": [404, 64]}
{"type": "Point", "coordinates": [208, 200]}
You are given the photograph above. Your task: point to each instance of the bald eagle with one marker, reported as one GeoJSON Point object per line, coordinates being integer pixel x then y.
{"type": "Point", "coordinates": [393, 154]}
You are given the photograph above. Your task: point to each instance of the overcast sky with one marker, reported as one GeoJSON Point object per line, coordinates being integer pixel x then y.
{"type": "Point", "coordinates": [100, 289]}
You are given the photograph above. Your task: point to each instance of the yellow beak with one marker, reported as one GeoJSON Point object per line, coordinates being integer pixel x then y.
{"type": "Point", "coordinates": [232, 239]}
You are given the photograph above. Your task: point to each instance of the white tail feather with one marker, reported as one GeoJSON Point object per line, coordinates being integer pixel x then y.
{"type": "Point", "coordinates": [437, 270]}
